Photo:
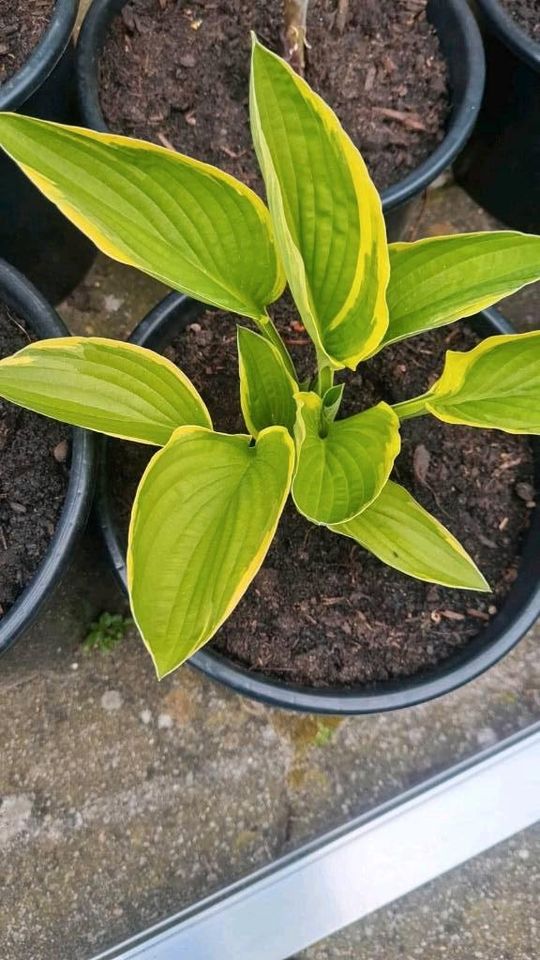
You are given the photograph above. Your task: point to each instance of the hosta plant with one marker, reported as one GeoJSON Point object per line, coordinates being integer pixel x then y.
{"type": "Point", "coordinates": [208, 504]}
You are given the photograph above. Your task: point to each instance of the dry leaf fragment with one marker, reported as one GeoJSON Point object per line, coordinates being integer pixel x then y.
{"type": "Point", "coordinates": [421, 461]}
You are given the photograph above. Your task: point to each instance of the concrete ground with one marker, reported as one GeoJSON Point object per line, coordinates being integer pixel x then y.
{"type": "Point", "coordinates": [124, 799]}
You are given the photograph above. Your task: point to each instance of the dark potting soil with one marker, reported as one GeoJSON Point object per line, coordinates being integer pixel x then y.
{"type": "Point", "coordinates": [22, 23]}
{"type": "Point", "coordinates": [34, 476]}
{"type": "Point", "coordinates": [178, 74]}
{"type": "Point", "coordinates": [526, 13]}
{"type": "Point", "coordinates": [323, 611]}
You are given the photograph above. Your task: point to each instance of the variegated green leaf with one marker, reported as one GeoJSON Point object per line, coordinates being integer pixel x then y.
{"type": "Point", "coordinates": [266, 387]}
{"type": "Point", "coordinates": [115, 388]}
{"type": "Point", "coordinates": [203, 519]}
{"type": "Point", "coordinates": [441, 279]}
{"type": "Point", "coordinates": [495, 385]}
{"type": "Point", "coordinates": [404, 535]}
{"type": "Point", "coordinates": [326, 212]}
{"type": "Point", "coordinates": [184, 222]}
{"type": "Point", "coordinates": [341, 465]}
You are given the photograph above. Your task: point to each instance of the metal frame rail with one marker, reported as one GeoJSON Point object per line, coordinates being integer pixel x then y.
{"type": "Point", "coordinates": [345, 874]}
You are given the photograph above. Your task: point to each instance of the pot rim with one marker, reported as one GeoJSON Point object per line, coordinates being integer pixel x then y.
{"type": "Point", "coordinates": [520, 610]}
{"type": "Point", "coordinates": [19, 294]}
{"type": "Point", "coordinates": [509, 33]}
{"type": "Point", "coordinates": [465, 52]}
{"type": "Point", "coordinates": [43, 58]}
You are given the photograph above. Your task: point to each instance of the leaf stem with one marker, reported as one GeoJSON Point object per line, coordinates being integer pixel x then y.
{"type": "Point", "coordinates": [412, 408]}
{"type": "Point", "coordinates": [268, 329]}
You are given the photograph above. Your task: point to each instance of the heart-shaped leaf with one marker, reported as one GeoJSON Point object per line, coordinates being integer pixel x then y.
{"type": "Point", "coordinates": [203, 519]}
{"type": "Point", "coordinates": [115, 388]}
{"type": "Point", "coordinates": [266, 388]}
{"type": "Point", "coordinates": [326, 213]}
{"type": "Point", "coordinates": [497, 385]}
{"type": "Point", "coordinates": [341, 465]}
{"type": "Point", "coordinates": [441, 279]}
{"type": "Point", "coordinates": [403, 535]}
{"type": "Point", "coordinates": [184, 222]}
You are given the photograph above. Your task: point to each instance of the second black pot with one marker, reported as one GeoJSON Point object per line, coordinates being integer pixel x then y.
{"type": "Point", "coordinates": [23, 298]}
{"type": "Point", "coordinates": [461, 44]}
{"type": "Point", "coordinates": [34, 236]}
{"type": "Point", "coordinates": [520, 610]}
{"type": "Point", "coordinates": [500, 167]}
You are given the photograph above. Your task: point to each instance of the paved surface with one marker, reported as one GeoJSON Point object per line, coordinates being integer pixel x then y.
{"type": "Point", "coordinates": [124, 799]}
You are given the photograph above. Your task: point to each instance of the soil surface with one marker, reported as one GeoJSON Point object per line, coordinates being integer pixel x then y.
{"type": "Point", "coordinates": [323, 611]}
{"type": "Point", "coordinates": [34, 476]}
{"type": "Point", "coordinates": [526, 13]}
{"type": "Point", "coordinates": [178, 74]}
{"type": "Point", "coordinates": [22, 23]}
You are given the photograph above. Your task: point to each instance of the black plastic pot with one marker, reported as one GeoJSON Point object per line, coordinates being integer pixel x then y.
{"type": "Point", "coordinates": [22, 297]}
{"type": "Point", "coordinates": [462, 46]}
{"type": "Point", "coordinates": [521, 609]}
{"type": "Point", "coordinates": [500, 167]}
{"type": "Point", "coordinates": [34, 236]}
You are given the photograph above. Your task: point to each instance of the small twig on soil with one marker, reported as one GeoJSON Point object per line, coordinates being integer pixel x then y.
{"type": "Point", "coordinates": [511, 463]}
{"type": "Point", "coordinates": [452, 615]}
{"type": "Point", "coordinates": [477, 614]}
{"type": "Point", "coordinates": [165, 141]}
{"type": "Point", "coordinates": [234, 155]}
{"type": "Point", "coordinates": [3, 538]}
{"type": "Point", "coordinates": [342, 14]}
{"type": "Point", "coordinates": [294, 33]}
{"type": "Point", "coordinates": [410, 120]}
{"type": "Point", "coordinates": [19, 326]}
